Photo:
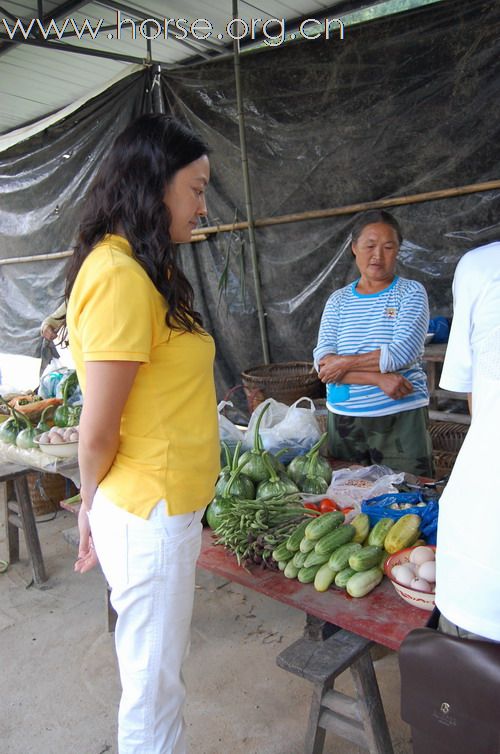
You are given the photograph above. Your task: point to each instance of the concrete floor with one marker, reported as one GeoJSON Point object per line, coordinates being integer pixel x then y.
{"type": "Point", "coordinates": [60, 688]}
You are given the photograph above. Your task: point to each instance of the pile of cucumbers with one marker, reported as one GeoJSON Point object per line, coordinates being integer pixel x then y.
{"type": "Point", "coordinates": [327, 551]}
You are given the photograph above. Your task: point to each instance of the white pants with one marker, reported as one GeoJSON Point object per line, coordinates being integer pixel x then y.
{"type": "Point", "coordinates": [150, 567]}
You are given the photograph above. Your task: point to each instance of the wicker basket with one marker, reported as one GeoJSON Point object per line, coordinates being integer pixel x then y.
{"type": "Point", "coordinates": [447, 436]}
{"type": "Point", "coordinates": [46, 490]}
{"type": "Point", "coordinates": [285, 382]}
{"type": "Point", "coordinates": [443, 462]}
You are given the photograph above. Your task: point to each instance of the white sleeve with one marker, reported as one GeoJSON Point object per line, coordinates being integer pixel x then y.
{"type": "Point", "coordinates": [457, 367]}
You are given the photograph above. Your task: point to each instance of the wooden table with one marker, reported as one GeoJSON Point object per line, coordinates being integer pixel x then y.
{"type": "Point", "coordinates": [382, 616]}
{"type": "Point", "coordinates": [433, 360]}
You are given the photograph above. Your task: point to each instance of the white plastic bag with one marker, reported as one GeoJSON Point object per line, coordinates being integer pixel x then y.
{"type": "Point", "coordinates": [291, 428]}
{"type": "Point", "coordinates": [228, 432]}
{"type": "Point", "coordinates": [349, 487]}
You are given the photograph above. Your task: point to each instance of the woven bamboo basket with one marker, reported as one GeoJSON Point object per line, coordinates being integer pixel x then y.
{"type": "Point", "coordinates": [46, 490]}
{"type": "Point", "coordinates": [443, 462]}
{"type": "Point", "coordinates": [447, 436]}
{"type": "Point", "coordinates": [285, 382]}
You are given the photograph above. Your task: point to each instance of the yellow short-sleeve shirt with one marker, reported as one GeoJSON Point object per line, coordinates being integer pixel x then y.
{"type": "Point", "coordinates": [169, 443]}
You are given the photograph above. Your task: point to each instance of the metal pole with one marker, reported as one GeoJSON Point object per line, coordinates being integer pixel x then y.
{"type": "Point", "coordinates": [248, 197]}
{"type": "Point", "coordinates": [157, 97]}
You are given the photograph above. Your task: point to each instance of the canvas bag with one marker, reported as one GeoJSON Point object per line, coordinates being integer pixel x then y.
{"type": "Point", "coordinates": [450, 692]}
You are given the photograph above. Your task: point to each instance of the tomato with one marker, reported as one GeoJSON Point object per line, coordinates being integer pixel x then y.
{"type": "Point", "coordinates": [312, 507]}
{"type": "Point", "coordinates": [326, 505]}
{"type": "Point", "coordinates": [345, 511]}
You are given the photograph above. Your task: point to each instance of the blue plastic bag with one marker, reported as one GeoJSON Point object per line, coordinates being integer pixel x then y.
{"type": "Point", "coordinates": [380, 507]}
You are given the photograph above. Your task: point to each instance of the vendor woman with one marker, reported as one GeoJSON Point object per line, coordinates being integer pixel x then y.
{"type": "Point", "coordinates": [369, 355]}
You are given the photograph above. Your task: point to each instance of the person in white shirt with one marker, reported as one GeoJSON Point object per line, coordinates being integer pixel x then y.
{"type": "Point", "coordinates": [467, 555]}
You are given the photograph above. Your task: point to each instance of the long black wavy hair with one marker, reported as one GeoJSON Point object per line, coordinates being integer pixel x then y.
{"type": "Point", "coordinates": [126, 197]}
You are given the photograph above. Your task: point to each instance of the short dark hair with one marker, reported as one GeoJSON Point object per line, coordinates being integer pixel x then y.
{"type": "Point", "coordinates": [127, 194]}
{"type": "Point", "coordinates": [374, 216]}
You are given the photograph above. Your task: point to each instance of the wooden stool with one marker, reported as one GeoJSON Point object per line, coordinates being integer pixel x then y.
{"type": "Point", "coordinates": [19, 514]}
{"type": "Point", "coordinates": [360, 719]}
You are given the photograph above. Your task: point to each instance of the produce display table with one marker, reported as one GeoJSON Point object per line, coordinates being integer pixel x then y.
{"type": "Point", "coordinates": [18, 513]}
{"type": "Point", "coordinates": [381, 617]}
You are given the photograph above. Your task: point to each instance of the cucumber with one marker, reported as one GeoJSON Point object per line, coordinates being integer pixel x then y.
{"type": "Point", "coordinates": [307, 575]}
{"type": "Point", "coordinates": [361, 523]}
{"type": "Point", "coordinates": [343, 576]}
{"type": "Point", "coordinates": [380, 531]}
{"type": "Point", "coordinates": [313, 558]}
{"type": "Point", "coordinates": [404, 533]}
{"type": "Point", "coordinates": [330, 542]}
{"type": "Point", "coordinates": [282, 564]}
{"type": "Point", "coordinates": [339, 559]}
{"type": "Point", "coordinates": [321, 525]}
{"type": "Point", "coordinates": [299, 559]}
{"type": "Point", "coordinates": [366, 558]}
{"type": "Point", "coordinates": [360, 584]}
{"type": "Point", "coordinates": [282, 553]}
{"type": "Point", "coordinates": [295, 537]}
{"type": "Point", "coordinates": [291, 571]}
{"type": "Point", "coordinates": [306, 545]}
{"type": "Point", "coordinates": [324, 578]}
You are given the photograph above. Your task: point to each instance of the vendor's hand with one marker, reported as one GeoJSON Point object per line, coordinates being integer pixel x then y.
{"type": "Point", "coordinates": [332, 367]}
{"type": "Point", "coordinates": [49, 333]}
{"type": "Point", "coordinates": [395, 385]}
{"type": "Point", "coordinates": [87, 557]}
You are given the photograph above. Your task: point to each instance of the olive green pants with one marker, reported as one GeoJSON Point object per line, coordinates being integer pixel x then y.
{"type": "Point", "coordinates": [400, 441]}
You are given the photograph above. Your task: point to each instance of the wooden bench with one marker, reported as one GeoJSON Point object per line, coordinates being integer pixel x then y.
{"type": "Point", "coordinates": [359, 719]}
{"type": "Point", "coordinates": [19, 515]}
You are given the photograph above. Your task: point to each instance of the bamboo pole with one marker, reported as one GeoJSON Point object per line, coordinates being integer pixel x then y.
{"type": "Point", "coordinates": [350, 209]}
{"type": "Point", "coordinates": [200, 234]}
{"type": "Point", "coordinates": [248, 197]}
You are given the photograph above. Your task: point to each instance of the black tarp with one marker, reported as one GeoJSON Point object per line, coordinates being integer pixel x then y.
{"type": "Point", "coordinates": [402, 105]}
{"type": "Point", "coordinates": [42, 183]}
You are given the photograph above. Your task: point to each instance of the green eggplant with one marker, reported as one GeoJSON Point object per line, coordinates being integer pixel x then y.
{"type": "Point", "coordinates": [9, 431]}
{"type": "Point", "coordinates": [42, 425]}
{"type": "Point", "coordinates": [313, 483]}
{"type": "Point", "coordinates": [275, 486]}
{"type": "Point", "coordinates": [225, 472]}
{"type": "Point", "coordinates": [251, 460]}
{"type": "Point", "coordinates": [299, 466]}
{"type": "Point", "coordinates": [64, 414]}
{"type": "Point", "coordinates": [25, 437]}
{"type": "Point", "coordinates": [239, 485]}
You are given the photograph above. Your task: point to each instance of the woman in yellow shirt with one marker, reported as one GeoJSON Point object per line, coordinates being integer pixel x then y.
{"type": "Point", "coordinates": [148, 449]}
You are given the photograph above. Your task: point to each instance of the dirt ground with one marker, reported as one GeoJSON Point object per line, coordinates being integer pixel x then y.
{"type": "Point", "coordinates": [60, 687]}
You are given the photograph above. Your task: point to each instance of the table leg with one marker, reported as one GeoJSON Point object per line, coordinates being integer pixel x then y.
{"type": "Point", "coordinates": [29, 528]}
{"type": "Point", "coordinates": [370, 706]}
{"type": "Point", "coordinates": [11, 530]}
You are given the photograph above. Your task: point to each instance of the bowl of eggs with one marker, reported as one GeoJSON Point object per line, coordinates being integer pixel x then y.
{"type": "Point", "coordinates": [61, 442]}
{"type": "Point", "coordinates": [412, 572]}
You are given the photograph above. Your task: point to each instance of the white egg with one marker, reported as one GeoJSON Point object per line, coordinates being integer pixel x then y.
{"type": "Point", "coordinates": [427, 571]}
{"type": "Point", "coordinates": [403, 574]}
{"type": "Point", "coordinates": [421, 584]}
{"type": "Point", "coordinates": [421, 555]}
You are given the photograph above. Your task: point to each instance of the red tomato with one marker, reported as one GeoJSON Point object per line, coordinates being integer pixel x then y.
{"type": "Point", "coordinates": [312, 507]}
{"type": "Point", "coordinates": [326, 505]}
{"type": "Point", "coordinates": [345, 511]}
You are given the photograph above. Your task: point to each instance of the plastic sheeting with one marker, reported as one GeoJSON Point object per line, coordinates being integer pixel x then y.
{"type": "Point", "coordinates": [402, 105]}
{"type": "Point", "coordinates": [42, 182]}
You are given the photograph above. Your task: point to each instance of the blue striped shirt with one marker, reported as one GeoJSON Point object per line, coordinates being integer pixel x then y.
{"type": "Point", "coordinates": [394, 320]}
